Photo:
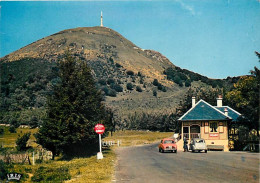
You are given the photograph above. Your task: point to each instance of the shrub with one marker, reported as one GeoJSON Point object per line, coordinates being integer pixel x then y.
{"type": "Point", "coordinates": [106, 90]}
{"type": "Point", "coordinates": [164, 89]}
{"type": "Point", "coordinates": [155, 93]}
{"type": "Point", "coordinates": [117, 87]}
{"type": "Point", "coordinates": [118, 65]}
{"type": "Point", "coordinates": [102, 81]}
{"type": "Point", "coordinates": [139, 89]}
{"type": "Point", "coordinates": [12, 129]}
{"type": "Point", "coordinates": [4, 170]}
{"type": "Point", "coordinates": [21, 142]}
{"type": "Point", "coordinates": [49, 174]}
{"type": "Point", "coordinates": [130, 73]}
{"type": "Point", "coordinates": [155, 82]}
{"type": "Point", "coordinates": [160, 86]}
{"type": "Point", "coordinates": [187, 83]}
{"type": "Point", "coordinates": [129, 86]}
{"type": "Point", "coordinates": [2, 130]}
{"type": "Point", "coordinates": [111, 93]}
{"type": "Point", "coordinates": [34, 122]}
{"type": "Point", "coordinates": [110, 81]}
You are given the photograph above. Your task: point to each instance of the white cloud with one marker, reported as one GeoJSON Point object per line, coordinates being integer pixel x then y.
{"type": "Point", "coordinates": [186, 7]}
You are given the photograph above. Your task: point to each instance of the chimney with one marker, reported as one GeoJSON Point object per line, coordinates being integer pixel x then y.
{"type": "Point", "coordinates": [193, 101]}
{"type": "Point", "coordinates": [226, 111]}
{"type": "Point", "coordinates": [219, 101]}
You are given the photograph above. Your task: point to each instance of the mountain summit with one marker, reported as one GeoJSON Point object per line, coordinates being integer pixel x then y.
{"type": "Point", "coordinates": [96, 43]}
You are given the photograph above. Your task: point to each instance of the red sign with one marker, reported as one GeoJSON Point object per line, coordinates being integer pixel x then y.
{"type": "Point", "coordinates": [99, 129]}
{"type": "Point", "coordinates": [213, 135]}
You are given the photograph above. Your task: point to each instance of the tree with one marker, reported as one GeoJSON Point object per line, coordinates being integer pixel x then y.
{"type": "Point", "coordinates": [73, 110]}
{"type": "Point", "coordinates": [245, 98]}
{"type": "Point", "coordinates": [21, 142]}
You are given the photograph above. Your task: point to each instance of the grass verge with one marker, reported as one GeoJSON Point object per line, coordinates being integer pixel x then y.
{"type": "Point", "coordinates": [83, 170]}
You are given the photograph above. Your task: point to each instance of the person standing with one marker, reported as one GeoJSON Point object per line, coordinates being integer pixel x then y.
{"type": "Point", "coordinates": [185, 146]}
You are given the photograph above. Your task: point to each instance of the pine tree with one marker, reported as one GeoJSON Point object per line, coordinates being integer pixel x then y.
{"type": "Point", "coordinates": [73, 109]}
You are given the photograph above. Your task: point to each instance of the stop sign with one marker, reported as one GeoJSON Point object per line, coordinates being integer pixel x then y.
{"type": "Point", "coordinates": [99, 129]}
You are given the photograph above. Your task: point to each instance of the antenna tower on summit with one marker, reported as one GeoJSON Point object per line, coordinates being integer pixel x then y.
{"type": "Point", "coordinates": [101, 20]}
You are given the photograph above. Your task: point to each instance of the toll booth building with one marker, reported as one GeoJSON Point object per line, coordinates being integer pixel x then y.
{"type": "Point", "coordinates": [208, 122]}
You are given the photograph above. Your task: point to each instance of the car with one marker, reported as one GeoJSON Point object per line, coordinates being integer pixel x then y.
{"type": "Point", "coordinates": [198, 144]}
{"type": "Point", "coordinates": [167, 144]}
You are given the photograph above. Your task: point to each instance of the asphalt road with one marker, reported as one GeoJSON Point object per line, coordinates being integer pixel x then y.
{"type": "Point", "coordinates": [144, 164]}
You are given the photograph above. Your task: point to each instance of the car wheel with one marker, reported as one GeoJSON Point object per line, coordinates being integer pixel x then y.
{"type": "Point", "coordinates": [176, 151]}
{"type": "Point", "coordinates": [206, 151]}
{"type": "Point", "coordinates": [193, 151]}
{"type": "Point", "coordinates": [160, 150]}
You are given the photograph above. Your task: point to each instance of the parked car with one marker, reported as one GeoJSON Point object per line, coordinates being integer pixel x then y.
{"type": "Point", "coordinates": [167, 145]}
{"type": "Point", "coordinates": [198, 144]}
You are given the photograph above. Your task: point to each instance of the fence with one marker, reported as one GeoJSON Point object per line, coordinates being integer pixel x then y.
{"type": "Point", "coordinates": [111, 143]}
{"type": "Point", "coordinates": [38, 155]}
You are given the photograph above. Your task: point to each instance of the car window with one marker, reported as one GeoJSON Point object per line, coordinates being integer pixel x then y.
{"type": "Point", "coordinates": [199, 141]}
{"type": "Point", "coordinates": [168, 142]}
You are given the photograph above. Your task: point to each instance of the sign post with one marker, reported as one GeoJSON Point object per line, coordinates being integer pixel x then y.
{"type": "Point", "coordinates": [99, 129]}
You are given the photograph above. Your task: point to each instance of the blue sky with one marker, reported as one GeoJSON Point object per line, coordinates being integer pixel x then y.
{"type": "Point", "coordinates": [214, 38]}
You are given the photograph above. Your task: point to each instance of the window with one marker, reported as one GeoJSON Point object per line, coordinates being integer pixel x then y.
{"type": "Point", "coordinates": [206, 127]}
{"type": "Point", "coordinates": [213, 127]}
{"type": "Point", "coordinates": [168, 142]}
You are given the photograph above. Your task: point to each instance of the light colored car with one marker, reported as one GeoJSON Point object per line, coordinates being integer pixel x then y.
{"type": "Point", "coordinates": [167, 145]}
{"type": "Point", "coordinates": [198, 144]}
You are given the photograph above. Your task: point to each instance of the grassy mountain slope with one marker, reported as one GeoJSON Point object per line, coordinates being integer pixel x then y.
{"type": "Point", "coordinates": [124, 72]}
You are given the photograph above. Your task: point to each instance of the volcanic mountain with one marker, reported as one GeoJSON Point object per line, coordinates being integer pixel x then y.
{"type": "Point", "coordinates": [132, 79]}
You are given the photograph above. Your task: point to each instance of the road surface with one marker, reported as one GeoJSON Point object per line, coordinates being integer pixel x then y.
{"type": "Point", "coordinates": [144, 164]}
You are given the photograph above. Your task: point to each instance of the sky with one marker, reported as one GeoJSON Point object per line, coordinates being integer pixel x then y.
{"type": "Point", "coordinates": [215, 38]}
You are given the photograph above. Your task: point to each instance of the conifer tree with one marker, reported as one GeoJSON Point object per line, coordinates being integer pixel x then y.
{"type": "Point", "coordinates": [73, 110]}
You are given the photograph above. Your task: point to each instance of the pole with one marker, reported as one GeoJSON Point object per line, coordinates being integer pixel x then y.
{"type": "Point", "coordinates": [33, 158]}
{"type": "Point", "coordinates": [99, 154]}
{"type": "Point", "coordinates": [100, 149]}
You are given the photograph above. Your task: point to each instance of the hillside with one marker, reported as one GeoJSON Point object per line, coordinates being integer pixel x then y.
{"type": "Point", "coordinates": [131, 78]}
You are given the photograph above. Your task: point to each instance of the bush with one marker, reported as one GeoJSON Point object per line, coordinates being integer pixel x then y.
{"type": "Point", "coordinates": [155, 82]}
{"type": "Point", "coordinates": [34, 122]}
{"type": "Point", "coordinates": [4, 170]}
{"type": "Point", "coordinates": [102, 81]}
{"type": "Point", "coordinates": [139, 89]}
{"type": "Point", "coordinates": [49, 174]}
{"type": "Point", "coordinates": [188, 83]}
{"type": "Point", "coordinates": [12, 129]}
{"type": "Point", "coordinates": [155, 93]}
{"type": "Point", "coordinates": [110, 81]}
{"type": "Point", "coordinates": [2, 130]}
{"type": "Point", "coordinates": [21, 142]}
{"type": "Point", "coordinates": [117, 87]}
{"type": "Point", "coordinates": [130, 73]}
{"type": "Point", "coordinates": [111, 93]}
{"type": "Point", "coordinates": [118, 65]}
{"type": "Point", "coordinates": [129, 86]}
{"type": "Point", "coordinates": [164, 89]}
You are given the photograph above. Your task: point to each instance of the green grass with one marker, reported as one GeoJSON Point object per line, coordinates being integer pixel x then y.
{"type": "Point", "coordinates": [132, 138]}
{"type": "Point", "coordinates": [8, 139]}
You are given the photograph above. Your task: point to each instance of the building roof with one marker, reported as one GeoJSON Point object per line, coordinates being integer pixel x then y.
{"type": "Point", "coordinates": [204, 111]}
{"type": "Point", "coordinates": [231, 112]}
